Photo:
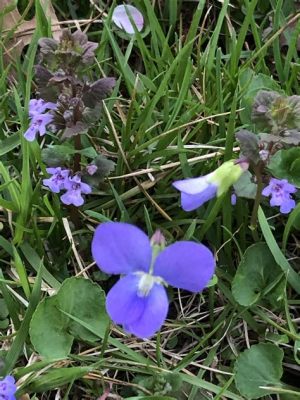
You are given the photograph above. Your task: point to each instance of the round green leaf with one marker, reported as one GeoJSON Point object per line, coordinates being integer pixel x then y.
{"type": "Point", "coordinates": [260, 366]}
{"type": "Point", "coordinates": [48, 330]}
{"type": "Point", "coordinates": [256, 272]}
{"type": "Point", "coordinates": [85, 301]}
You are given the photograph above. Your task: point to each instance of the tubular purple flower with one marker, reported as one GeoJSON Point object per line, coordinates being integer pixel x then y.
{"type": "Point", "coordinates": [280, 191]}
{"type": "Point", "coordinates": [8, 388]}
{"type": "Point", "coordinates": [38, 106]}
{"type": "Point", "coordinates": [38, 125]}
{"type": "Point", "coordinates": [74, 188]}
{"type": "Point", "coordinates": [139, 301]}
{"type": "Point", "coordinates": [197, 191]}
{"type": "Point", "coordinates": [57, 181]}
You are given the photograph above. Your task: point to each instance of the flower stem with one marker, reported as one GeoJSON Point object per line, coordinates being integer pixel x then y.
{"type": "Point", "coordinates": [74, 213]}
{"type": "Point", "coordinates": [77, 156]}
{"type": "Point", "coordinates": [259, 179]}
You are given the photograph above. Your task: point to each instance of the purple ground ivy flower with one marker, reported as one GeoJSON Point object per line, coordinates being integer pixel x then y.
{"type": "Point", "coordinates": [139, 300]}
{"type": "Point", "coordinates": [8, 388]}
{"type": "Point", "coordinates": [57, 181]}
{"type": "Point", "coordinates": [38, 106]}
{"type": "Point", "coordinates": [280, 191]}
{"type": "Point", "coordinates": [38, 125]}
{"type": "Point", "coordinates": [74, 188]}
{"type": "Point", "coordinates": [197, 191]}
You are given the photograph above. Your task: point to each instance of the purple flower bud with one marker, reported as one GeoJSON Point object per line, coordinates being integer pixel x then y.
{"type": "Point", "coordinates": [280, 191]}
{"type": "Point", "coordinates": [121, 19]}
{"type": "Point", "coordinates": [38, 125]}
{"type": "Point", "coordinates": [264, 155]}
{"type": "Point", "coordinates": [74, 188]}
{"type": "Point", "coordinates": [158, 239]}
{"type": "Point", "coordinates": [8, 388]}
{"type": "Point", "coordinates": [91, 169]}
{"type": "Point", "coordinates": [57, 181]}
{"type": "Point", "coordinates": [233, 199]}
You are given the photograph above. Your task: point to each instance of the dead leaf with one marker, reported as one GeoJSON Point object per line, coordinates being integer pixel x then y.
{"type": "Point", "coordinates": [19, 32]}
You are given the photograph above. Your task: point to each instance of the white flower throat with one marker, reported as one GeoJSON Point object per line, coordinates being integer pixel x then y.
{"type": "Point", "coordinates": [146, 283]}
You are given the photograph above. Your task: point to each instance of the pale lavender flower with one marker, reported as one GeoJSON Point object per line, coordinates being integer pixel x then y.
{"type": "Point", "coordinates": [57, 181]}
{"type": "Point", "coordinates": [139, 301]}
{"type": "Point", "coordinates": [38, 106]}
{"type": "Point", "coordinates": [121, 19]}
{"type": "Point", "coordinates": [280, 191]}
{"type": "Point", "coordinates": [8, 388]}
{"type": "Point", "coordinates": [38, 125]}
{"type": "Point", "coordinates": [74, 188]}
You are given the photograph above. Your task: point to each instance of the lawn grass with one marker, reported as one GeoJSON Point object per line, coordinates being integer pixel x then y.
{"type": "Point", "coordinates": [179, 99]}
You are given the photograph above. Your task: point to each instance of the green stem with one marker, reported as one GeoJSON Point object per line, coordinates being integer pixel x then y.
{"type": "Point", "coordinates": [258, 174]}
{"type": "Point", "coordinates": [74, 213]}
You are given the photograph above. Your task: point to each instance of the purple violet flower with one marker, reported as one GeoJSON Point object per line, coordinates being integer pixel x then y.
{"type": "Point", "coordinates": [38, 125]}
{"type": "Point", "coordinates": [74, 188]}
{"type": "Point", "coordinates": [280, 190]}
{"type": "Point", "coordinates": [195, 191]}
{"type": "Point", "coordinates": [38, 106]}
{"type": "Point", "coordinates": [57, 181]}
{"type": "Point", "coordinates": [8, 388]}
{"type": "Point", "coordinates": [139, 301]}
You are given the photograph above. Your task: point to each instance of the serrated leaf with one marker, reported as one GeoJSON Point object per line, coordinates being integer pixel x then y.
{"type": "Point", "coordinates": [259, 366]}
{"type": "Point", "coordinates": [57, 155]}
{"type": "Point", "coordinates": [104, 168]}
{"type": "Point", "coordinates": [255, 273]}
{"type": "Point", "coordinates": [249, 145]}
{"type": "Point", "coordinates": [93, 94]}
{"type": "Point", "coordinates": [285, 164]}
{"type": "Point", "coordinates": [257, 82]}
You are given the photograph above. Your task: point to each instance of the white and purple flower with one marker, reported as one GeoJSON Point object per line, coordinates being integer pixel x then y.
{"type": "Point", "coordinates": [8, 388]}
{"type": "Point", "coordinates": [139, 301]}
{"type": "Point", "coordinates": [197, 191]}
{"type": "Point", "coordinates": [74, 188]}
{"type": "Point", "coordinates": [280, 191]}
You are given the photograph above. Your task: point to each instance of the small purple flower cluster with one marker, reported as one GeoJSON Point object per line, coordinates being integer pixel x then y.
{"type": "Point", "coordinates": [280, 191]}
{"type": "Point", "coordinates": [39, 119]}
{"type": "Point", "coordinates": [8, 388]}
{"type": "Point", "coordinates": [62, 180]}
